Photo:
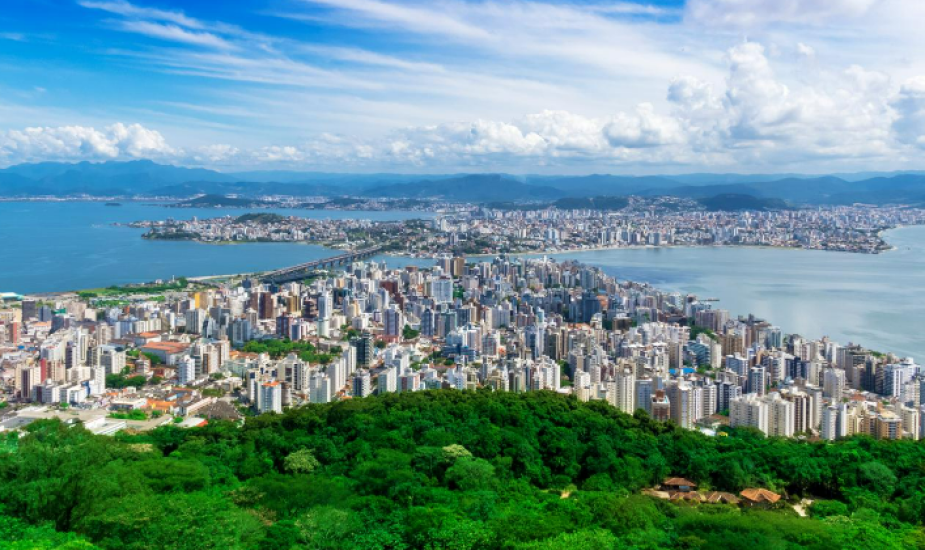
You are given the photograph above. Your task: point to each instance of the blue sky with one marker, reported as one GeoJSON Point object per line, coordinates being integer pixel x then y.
{"type": "Point", "coordinates": [456, 85]}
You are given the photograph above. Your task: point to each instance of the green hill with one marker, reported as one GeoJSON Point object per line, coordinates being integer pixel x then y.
{"type": "Point", "coordinates": [260, 218]}
{"type": "Point", "coordinates": [592, 203]}
{"type": "Point", "coordinates": [448, 470]}
{"type": "Point", "coordinates": [731, 202]}
{"type": "Point", "coordinates": [220, 200]}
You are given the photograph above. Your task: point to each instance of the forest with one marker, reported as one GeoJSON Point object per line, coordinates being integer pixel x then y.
{"type": "Point", "coordinates": [448, 470]}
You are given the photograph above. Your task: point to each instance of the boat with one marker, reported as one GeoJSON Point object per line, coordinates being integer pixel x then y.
{"type": "Point", "coordinates": [113, 204]}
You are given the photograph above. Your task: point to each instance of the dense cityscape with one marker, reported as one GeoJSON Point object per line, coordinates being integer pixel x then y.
{"type": "Point", "coordinates": [491, 231]}
{"type": "Point", "coordinates": [462, 275]}
{"type": "Point", "coordinates": [186, 351]}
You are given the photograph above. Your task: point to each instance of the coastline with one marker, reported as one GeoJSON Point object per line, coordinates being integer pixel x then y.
{"type": "Point", "coordinates": [432, 257]}
{"type": "Point", "coordinates": [639, 269]}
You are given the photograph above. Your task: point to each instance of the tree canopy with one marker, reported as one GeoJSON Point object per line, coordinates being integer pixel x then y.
{"type": "Point", "coordinates": [450, 470]}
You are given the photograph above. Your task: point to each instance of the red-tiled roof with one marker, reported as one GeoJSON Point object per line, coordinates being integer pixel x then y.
{"type": "Point", "coordinates": [679, 481]}
{"type": "Point", "coordinates": [760, 495]}
{"type": "Point", "coordinates": [169, 347]}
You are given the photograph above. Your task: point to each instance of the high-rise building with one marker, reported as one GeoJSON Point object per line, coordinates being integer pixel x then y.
{"type": "Point", "coordinates": [428, 323]}
{"type": "Point", "coordinates": [726, 392]}
{"type": "Point", "coordinates": [266, 305]}
{"type": "Point", "coordinates": [393, 321]}
{"type": "Point", "coordinates": [829, 426]}
{"type": "Point", "coordinates": [442, 290]}
{"type": "Point", "coordinates": [781, 415]}
{"type": "Point", "coordinates": [325, 305]}
{"type": "Point", "coordinates": [684, 405]}
{"type": "Point", "coordinates": [365, 349]}
{"type": "Point", "coordinates": [660, 406]}
{"type": "Point", "coordinates": [749, 410]}
{"type": "Point", "coordinates": [757, 380]}
{"type": "Point", "coordinates": [644, 391]}
{"type": "Point", "coordinates": [186, 370]}
{"type": "Point", "coordinates": [895, 377]}
{"type": "Point", "coordinates": [625, 391]}
{"type": "Point", "coordinates": [833, 383]}
{"type": "Point", "coordinates": [458, 267]}
{"type": "Point", "coordinates": [709, 398]}
{"type": "Point", "coordinates": [29, 309]}
{"type": "Point", "coordinates": [387, 381]}
{"type": "Point", "coordinates": [270, 397]}
{"type": "Point", "coordinates": [362, 384]}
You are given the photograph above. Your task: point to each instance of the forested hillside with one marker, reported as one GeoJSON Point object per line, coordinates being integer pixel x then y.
{"type": "Point", "coordinates": [448, 469]}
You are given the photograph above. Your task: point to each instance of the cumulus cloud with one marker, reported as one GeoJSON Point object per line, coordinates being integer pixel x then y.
{"type": "Point", "coordinates": [757, 104]}
{"type": "Point", "coordinates": [910, 107]}
{"type": "Point", "coordinates": [753, 118]}
{"type": "Point", "coordinates": [644, 129]}
{"type": "Point", "coordinates": [215, 154]}
{"type": "Point", "coordinates": [83, 143]}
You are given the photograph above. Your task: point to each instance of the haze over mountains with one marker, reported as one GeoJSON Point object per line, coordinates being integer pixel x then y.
{"type": "Point", "coordinates": [149, 179]}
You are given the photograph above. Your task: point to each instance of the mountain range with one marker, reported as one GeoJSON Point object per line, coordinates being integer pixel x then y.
{"type": "Point", "coordinates": [149, 179]}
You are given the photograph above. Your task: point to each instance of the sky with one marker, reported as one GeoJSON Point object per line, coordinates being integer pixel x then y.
{"type": "Point", "coordinates": [520, 86]}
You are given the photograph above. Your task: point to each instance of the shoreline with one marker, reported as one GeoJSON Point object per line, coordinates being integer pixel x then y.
{"type": "Point", "coordinates": [576, 255]}
{"type": "Point", "coordinates": [523, 253]}
{"type": "Point", "coordinates": [433, 257]}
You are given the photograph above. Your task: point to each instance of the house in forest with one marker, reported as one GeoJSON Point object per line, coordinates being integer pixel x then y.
{"type": "Point", "coordinates": [678, 484]}
{"type": "Point", "coordinates": [758, 497]}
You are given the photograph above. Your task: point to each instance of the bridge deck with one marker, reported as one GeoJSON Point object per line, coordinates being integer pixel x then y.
{"type": "Point", "coordinates": [299, 271]}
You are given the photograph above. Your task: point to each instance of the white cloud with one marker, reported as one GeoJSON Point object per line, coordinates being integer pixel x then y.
{"type": "Point", "coordinates": [216, 154]}
{"type": "Point", "coordinates": [632, 8]}
{"type": "Point", "coordinates": [806, 51]}
{"type": "Point", "coordinates": [763, 12]}
{"type": "Point", "coordinates": [389, 111]}
{"type": "Point", "coordinates": [566, 133]}
{"type": "Point", "coordinates": [437, 22]}
{"type": "Point", "coordinates": [910, 107]}
{"type": "Point", "coordinates": [176, 26]}
{"type": "Point", "coordinates": [645, 129]}
{"type": "Point", "coordinates": [118, 141]}
{"type": "Point", "coordinates": [757, 104]}
{"type": "Point", "coordinates": [174, 33]}
{"type": "Point", "coordinates": [123, 8]}
{"type": "Point", "coordinates": [572, 36]}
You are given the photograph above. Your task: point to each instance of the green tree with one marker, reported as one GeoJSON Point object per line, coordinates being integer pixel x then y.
{"type": "Point", "coordinates": [302, 461]}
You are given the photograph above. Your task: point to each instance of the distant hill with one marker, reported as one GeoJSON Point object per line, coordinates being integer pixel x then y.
{"type": "Point", "coordinates": [731, 202]}
{"type": "Point", "coordinates": [220, 200]}
{"type": "Point", "coordinates": [147, 178]}
{"type": "Point", "coordinates": [15, 185]}
{"type": "Point", "coordinates": [475, 188]}
{"type": "Point", "coordinates": [262, 218]}
{"type": "Point", "coordinates": [605, 184]}
{"type": "Point", "coordinates": [333, 179]}
{"type": "Point", "coordinates": [592, 203]}
{"type": "Point", "coordinates": [105, 178]}
{"type": "Point", "coordinates": [247, 188]}
{"type": "Point", "coordinates": [901, 189]}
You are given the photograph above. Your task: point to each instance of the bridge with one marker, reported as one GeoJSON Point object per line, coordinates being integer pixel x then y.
{"type": "Point", "coordinates": [301, 271]}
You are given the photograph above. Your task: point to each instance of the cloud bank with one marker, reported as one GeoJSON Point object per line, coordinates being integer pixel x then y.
{"type": "Point", "coordinates": [755, 119]}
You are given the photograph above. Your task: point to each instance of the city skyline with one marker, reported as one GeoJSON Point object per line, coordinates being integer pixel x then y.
{"type": "Point", "coordinates": [462, 274]}
{"type": "Point", "coordinates": [524, 87]}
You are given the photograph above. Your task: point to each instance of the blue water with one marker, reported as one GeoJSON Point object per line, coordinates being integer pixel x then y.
{"type": "Point", "coordinates": [56, 246]}
{"type": "Point", "coordinates": [874, 300]}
